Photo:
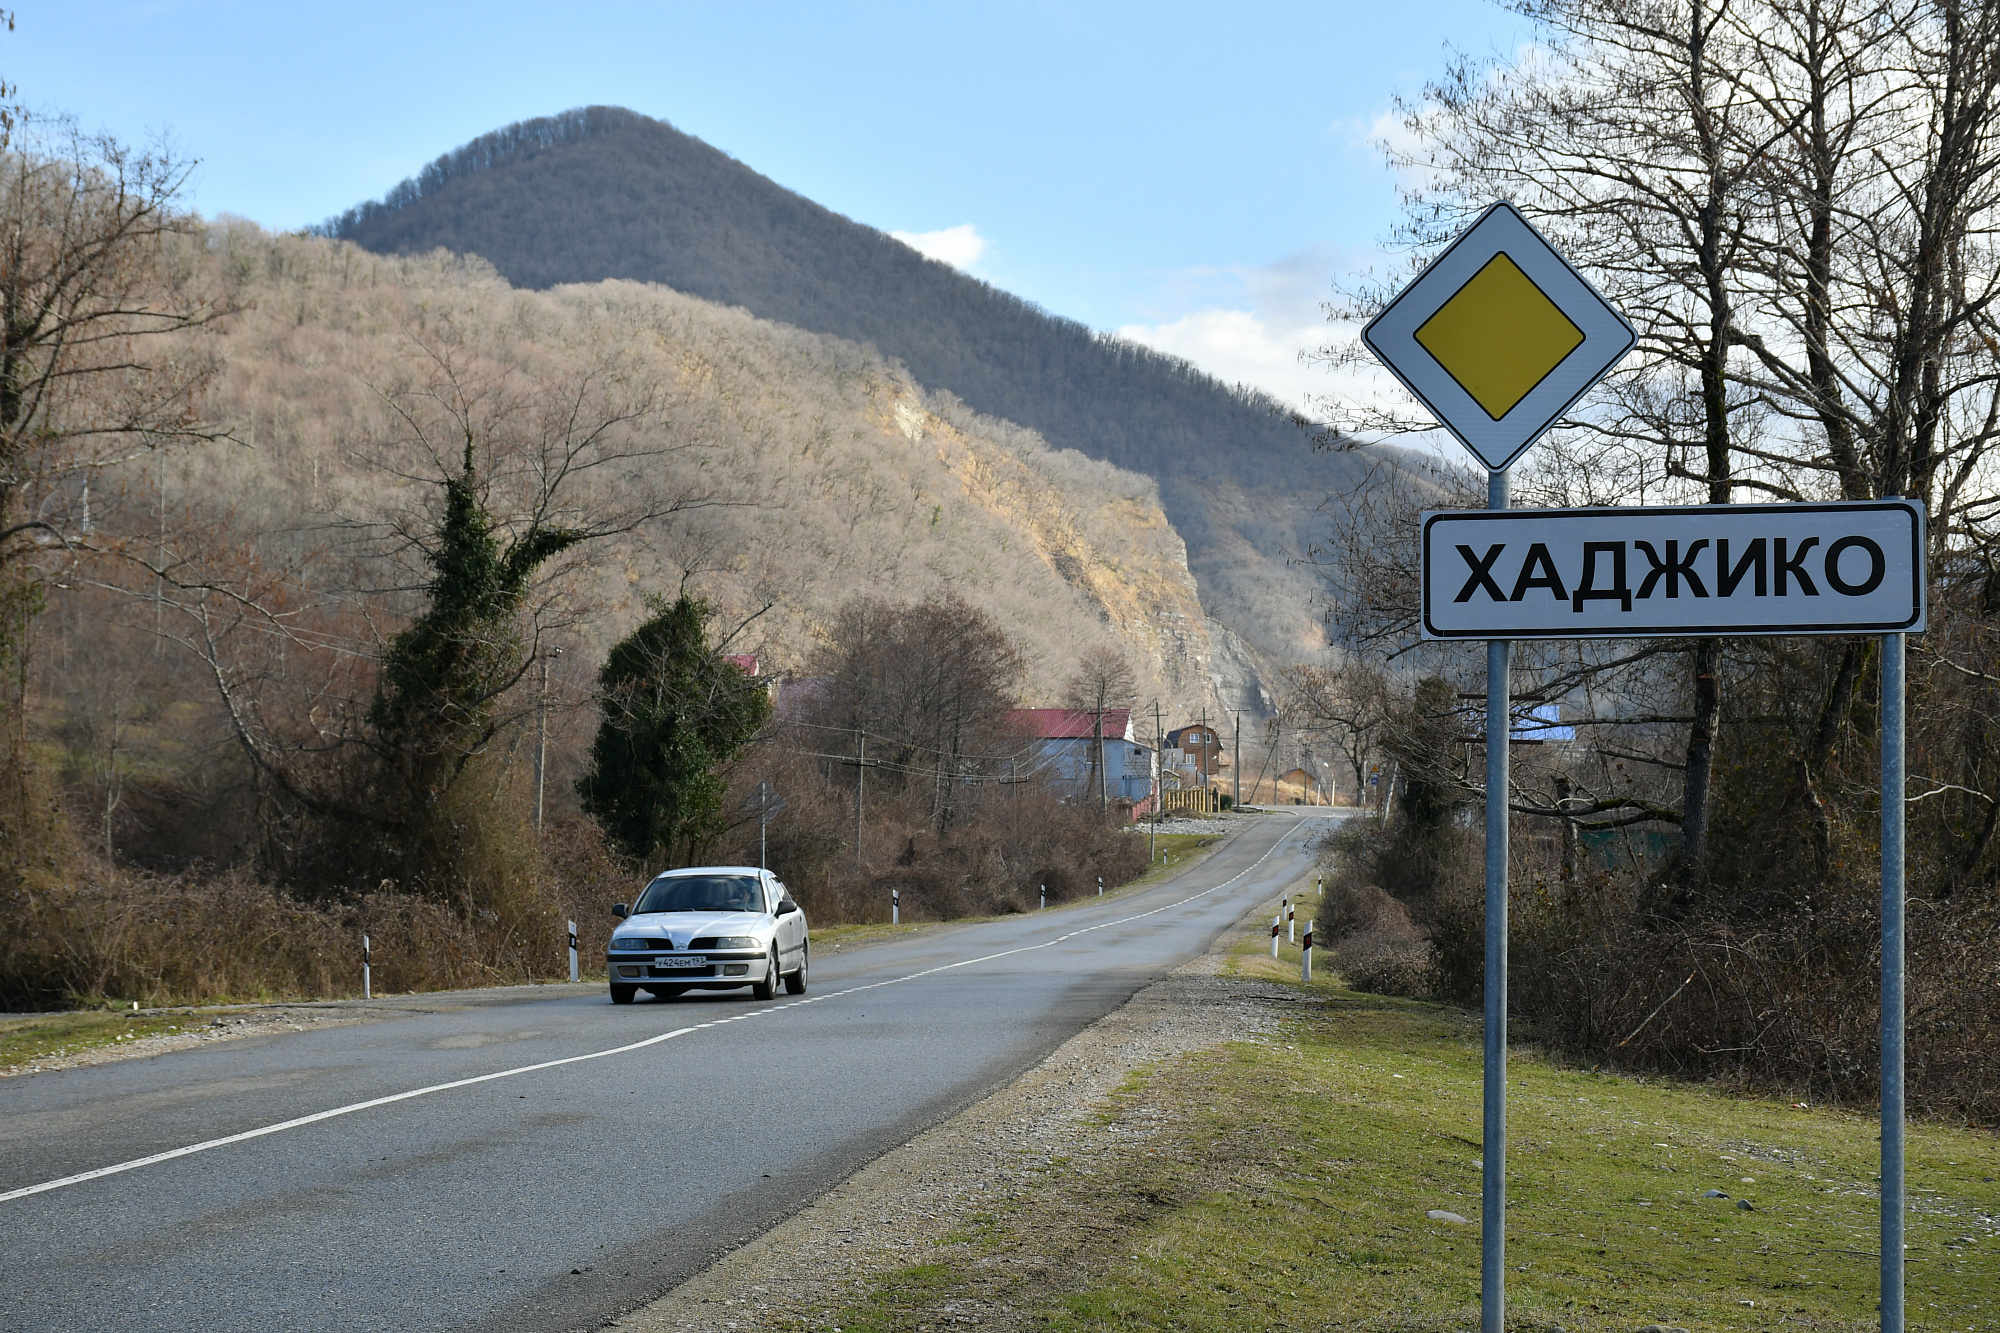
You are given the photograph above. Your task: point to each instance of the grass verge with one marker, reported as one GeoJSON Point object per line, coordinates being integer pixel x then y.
{"type": "Point", "coordinates": [29, 1037]}
{"type": "Point", "coordinates": [1173, 853]}
{"type": "Point", "coordinates": [1284, 1183]}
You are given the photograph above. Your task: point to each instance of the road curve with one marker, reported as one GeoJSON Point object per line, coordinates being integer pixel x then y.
{"type": "Point", "coordinates": [535, 1158]}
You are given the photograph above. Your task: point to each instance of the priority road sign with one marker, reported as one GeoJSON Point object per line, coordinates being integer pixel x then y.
{"type": "Point", "coordinates": [1674, 571]}
{"type": "Point", "coordinates": [1499, 336]}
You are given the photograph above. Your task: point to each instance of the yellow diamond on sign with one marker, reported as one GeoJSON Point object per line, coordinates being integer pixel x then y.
{"type": "Point", "coordinates": [1499, 336]}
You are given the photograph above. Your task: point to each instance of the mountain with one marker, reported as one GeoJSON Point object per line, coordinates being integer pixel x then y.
{"type": "Point", "coordinates": [604, 193]}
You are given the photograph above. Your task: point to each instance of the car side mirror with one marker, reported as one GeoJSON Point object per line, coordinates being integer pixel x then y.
{"type": "Point", "coordinates": [621, 910]}
{"type": "Point", "coordinates": [786, 908]}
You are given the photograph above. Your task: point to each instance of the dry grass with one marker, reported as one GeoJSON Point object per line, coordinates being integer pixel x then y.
{"type": "Point", "coordinates": [118, 935]}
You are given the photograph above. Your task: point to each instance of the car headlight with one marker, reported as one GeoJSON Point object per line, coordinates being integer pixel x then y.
{"type": "Point", "coordinates": [736, 942]}
{"type": "Point", "coordinates": [629, 944]}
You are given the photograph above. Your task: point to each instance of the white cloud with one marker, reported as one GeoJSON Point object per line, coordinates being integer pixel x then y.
{"type": "Point", "coordinates": [1239, 347]}
{"type": "Point", "coordinates": [1390, 135]}
{"type": "Point", "coordinates": [1251, 325]}
{"type": "Point", "coordinates": [959, 246]}
{"type": "Point", "coordinates": [1263, 325]}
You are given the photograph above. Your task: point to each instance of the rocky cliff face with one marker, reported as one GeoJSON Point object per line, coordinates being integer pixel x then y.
{"type": "Point", "coordinates": [1098, 528]}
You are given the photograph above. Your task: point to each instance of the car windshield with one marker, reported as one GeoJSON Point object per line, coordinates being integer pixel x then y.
{"type": "Point", "coordinates": [701, 893]}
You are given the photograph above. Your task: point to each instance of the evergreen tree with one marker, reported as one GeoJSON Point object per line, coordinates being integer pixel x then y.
{"type": "Point", "coordinates": [443, 677]}
{"type": "Point", "coordinates": [675, 713]}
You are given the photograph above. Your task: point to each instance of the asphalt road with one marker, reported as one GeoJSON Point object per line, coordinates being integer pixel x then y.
{"type": "Point", "coordinates": [554, 1197]}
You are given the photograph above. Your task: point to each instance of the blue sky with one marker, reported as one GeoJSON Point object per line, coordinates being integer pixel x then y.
{"type": "Point", "coordinates": [1193, 175]}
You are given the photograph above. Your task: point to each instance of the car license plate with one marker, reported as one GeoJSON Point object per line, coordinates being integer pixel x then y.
{"type": "Point", "coordinates": [682, 960]}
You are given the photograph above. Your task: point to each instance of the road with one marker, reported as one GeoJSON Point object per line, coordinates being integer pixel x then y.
{"type": "Point", "coordinates": [546, 1196]}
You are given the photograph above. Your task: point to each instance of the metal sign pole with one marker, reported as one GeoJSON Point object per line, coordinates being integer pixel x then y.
{"type": "Point", "coordinates": [1493, 1151]}
{"type": "Point", "coordinates": [1894, 791]}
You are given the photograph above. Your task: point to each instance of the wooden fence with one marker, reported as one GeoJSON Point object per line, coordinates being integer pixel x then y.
{"type": "Point", "coordinates": [1191, 801]}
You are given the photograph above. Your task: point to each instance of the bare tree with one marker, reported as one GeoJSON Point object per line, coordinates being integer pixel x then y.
{"type": "Point", "coordinates": [99, 363]}
{"type": "Point", "coordinates": [1348, 705]}
{"type": "Point", "coordinates": [1103, 680]}
{"type": "Point", "coordinates": [931, 684]}
{"type": "Point", "coordinates": [1792, 199]}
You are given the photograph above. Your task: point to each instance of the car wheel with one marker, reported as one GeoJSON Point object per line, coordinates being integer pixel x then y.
{"type": "Point", "coordinates": [767, 989]}
{"type": "Point", "coordinates": [795, 984]}
{"type": "Point", "coordinates": [623, 994]}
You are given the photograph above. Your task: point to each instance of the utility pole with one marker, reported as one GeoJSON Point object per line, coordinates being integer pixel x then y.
{"type": "Point", "coordinates": [542, 736]}
{"type": "Point", "coordinates": [1159, 783]}
{"type": "Point", "coordinates": [766, 803]}
{"type": "Point", "coordinates": [1103, 801]}
{"type": "Point", "coordinates": [860, 789]}
{"type": "Point", "coordinates": [1236, 764]}
{"type": "Point", "coordinates": [1201, 765]}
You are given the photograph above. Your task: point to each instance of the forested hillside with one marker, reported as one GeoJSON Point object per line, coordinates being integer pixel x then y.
{"type": "Point", "coordinates": [812, 470]}
{"type": "Point", "coordinates": [604, 193]}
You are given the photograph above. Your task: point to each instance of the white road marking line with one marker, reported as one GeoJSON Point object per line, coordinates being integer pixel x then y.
{"type": "Point", "coordinates": [373, 1102]}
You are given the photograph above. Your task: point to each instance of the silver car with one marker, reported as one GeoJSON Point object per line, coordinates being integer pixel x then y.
{"type": "Point", "coordinates": [709, 928]}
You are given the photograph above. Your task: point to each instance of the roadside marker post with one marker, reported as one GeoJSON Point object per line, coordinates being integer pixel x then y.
{"type": "Point", "coordinates": [1306, 954]}
{"type": "Point", "coordinates": [1100, 886]}
{"type": "Point", "coordinates": [1276, 922]}
{"type": "Point", "coordinates": [365, 980]}
{"type": "Point", "coordinates": [572, 951]}
{"type": "Point", "coordinates": [1498, 337]}
{"type": "Point", "coordinates": [895, 907]}
{"type": "Point", "coordinates": [1291, 922]}
{"type": "Point", "coordinates": [1045, 897]}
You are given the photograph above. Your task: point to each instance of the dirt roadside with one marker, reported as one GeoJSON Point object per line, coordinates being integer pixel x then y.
{"type": "Point", "coordinates": [895, 1212]}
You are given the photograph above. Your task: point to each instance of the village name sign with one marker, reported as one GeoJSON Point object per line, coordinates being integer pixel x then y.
{"type": "Point", "coordinates": [1499, 336]}
{"type": "Point", "coordinates": [1675, 571]}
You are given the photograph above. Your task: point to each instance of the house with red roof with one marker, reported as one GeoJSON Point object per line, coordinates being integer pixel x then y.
{"type": "Point", "coordinates": [1066, 744]}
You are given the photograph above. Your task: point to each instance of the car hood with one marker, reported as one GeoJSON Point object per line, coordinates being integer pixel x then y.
{"type": "Point", "coordinates": [681, 927]}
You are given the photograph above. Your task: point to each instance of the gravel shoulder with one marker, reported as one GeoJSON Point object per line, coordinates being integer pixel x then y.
{"type": "Point", "coordinates": [947, 1181]}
